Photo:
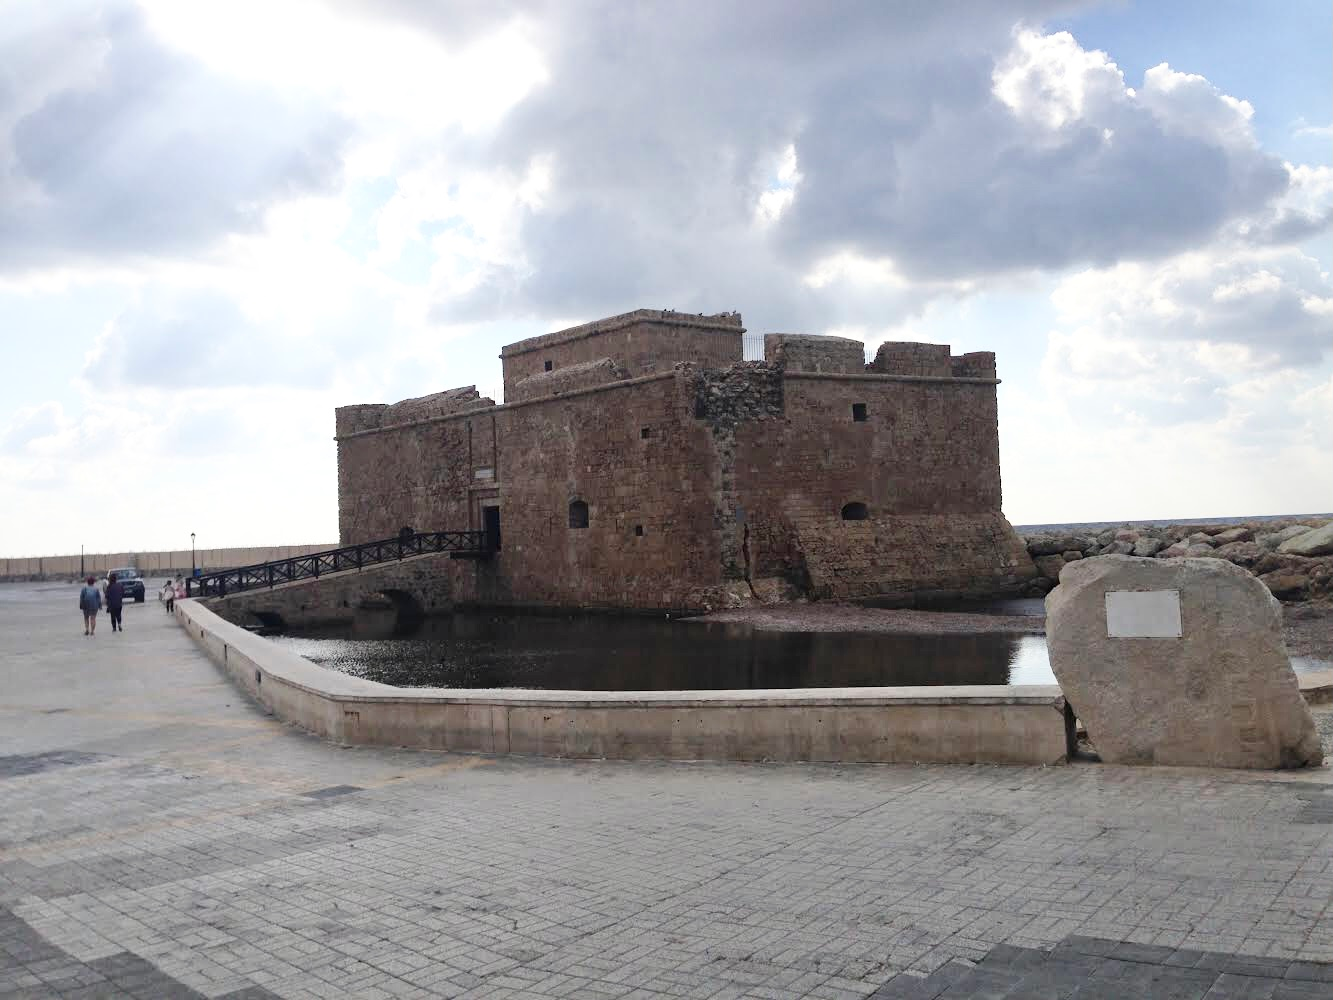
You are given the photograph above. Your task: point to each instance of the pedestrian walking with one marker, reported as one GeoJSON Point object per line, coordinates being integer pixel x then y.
{"type": "Point", "coordinates": [90, 602]}
{"type": "Point", "coordinates": [115, 602]}
{"type": "Point", "coordinates": [168, 595]}
{"type": "Point", "coordinates": [180, 590]}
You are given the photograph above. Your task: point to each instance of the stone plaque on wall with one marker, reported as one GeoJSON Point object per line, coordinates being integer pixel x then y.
{"type": "Point", "coordinates": [1143, 614]}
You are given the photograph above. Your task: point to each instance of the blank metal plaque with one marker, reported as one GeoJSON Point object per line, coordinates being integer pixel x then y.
{"type": "Point", "coordinates": [1143, 614]}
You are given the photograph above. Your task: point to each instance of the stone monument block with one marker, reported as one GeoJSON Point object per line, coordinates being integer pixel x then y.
{"type": "Point", "coordinates": [1178, 662]}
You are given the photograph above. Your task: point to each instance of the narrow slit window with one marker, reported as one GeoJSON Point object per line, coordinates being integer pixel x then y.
{"type": "Point", "coordinates": [548, 366]}
{"type": "Point", "coordinates": [855, 511]}
{"type": "Point", "coordinates": [638, 531]}
{"type": "Point", "coordinates": [645, 432]}
{"type": "Point", "coordinates": [578, 514]}
{"type": "Point", "coordinates": [859, 412]}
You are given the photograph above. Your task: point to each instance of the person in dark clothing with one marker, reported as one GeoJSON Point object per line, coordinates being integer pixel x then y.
{"type": "Point", "coordinates": [115, 600]}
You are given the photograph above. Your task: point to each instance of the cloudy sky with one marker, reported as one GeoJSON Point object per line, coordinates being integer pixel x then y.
{"type": "Point", "coordinates": [219, 221]}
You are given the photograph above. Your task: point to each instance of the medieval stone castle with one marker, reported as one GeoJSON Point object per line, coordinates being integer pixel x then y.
{"type": "Point", "coordinates": [639, 462]}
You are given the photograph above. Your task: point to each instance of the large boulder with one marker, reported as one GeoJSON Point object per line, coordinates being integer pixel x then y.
{"type": "Point", "coordinates": [1050, 566]}
{"type": "Point", "coordinates": [1240, 553]}
{"type": "Point", "coordinates": [1052, 545]}
{"type": "Point", "coordinates": [1148, 546]}
{"type": "Point", "coordinates": [1230, 535]}
{"type": "Point", "coordinates": [1272, 539]}
{"type": "Point", "coordinates": [1315, 542]}
{"type": "Point", "coordinates": [1285, 583]}
{"type": "Point", "coordinates": [1178, 661]}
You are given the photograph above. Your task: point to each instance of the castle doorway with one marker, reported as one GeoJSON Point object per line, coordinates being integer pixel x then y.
{"type": "Point", "coordinates": [490, 524]}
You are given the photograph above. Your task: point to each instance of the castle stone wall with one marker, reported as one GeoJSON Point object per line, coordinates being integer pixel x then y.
{"type": "Point", "coordinates": [707, 484]}
{"type": "Point", "coordinates": [901, 358]}
{"type": "Point", "coordinates": [645, 342]}
{"type": "Point", "coordinates": [925, 454]}
{"type": "Point", "coordinates": [420, 475]}
{"type": "Point", "coordinates": [568, 379]}
{"type": "Point", "coordinates": [800, 352]}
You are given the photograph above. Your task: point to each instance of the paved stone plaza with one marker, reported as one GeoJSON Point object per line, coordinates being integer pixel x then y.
{"type": "Point", "coordinates": [160, 837]}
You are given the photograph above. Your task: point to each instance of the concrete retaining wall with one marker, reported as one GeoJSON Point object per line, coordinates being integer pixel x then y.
{"type": "Point", "coordinates": [151, 564]}
{"type": "Point", "coordinates": [964, 725]}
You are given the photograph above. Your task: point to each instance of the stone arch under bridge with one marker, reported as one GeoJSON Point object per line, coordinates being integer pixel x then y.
{"type": "Point", "coordinates": [413, 587]}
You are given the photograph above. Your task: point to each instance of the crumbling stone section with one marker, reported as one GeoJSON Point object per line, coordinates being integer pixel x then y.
{"type": "Point", "coordinates": [913, 359]}
{"type": "Point", "coordinates": [975, 364]}
{"type": "Point", "coordinates": [359, 417]}
{"type": "Point", "coordinates": [1178, 661]}
{"type": "Point", "coordinates": [646, 341]}
{"type": "Point", "coordinates": [723, 400]}
{"type": "Point", "coordinates": [569, 379]}
{"type": "Point", "coordinates": [800, 352]}
{"type": "Point", "coordinates": [365, 417]}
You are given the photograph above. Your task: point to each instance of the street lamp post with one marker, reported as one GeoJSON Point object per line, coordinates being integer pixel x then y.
{"type": "Point", "coordinates": [191, 555]}
{"type": "Point", "coordinates": [81, 571]}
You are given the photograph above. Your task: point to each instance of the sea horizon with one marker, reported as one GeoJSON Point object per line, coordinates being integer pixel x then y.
{"type": "Point", "coordinates": [1158, 522]}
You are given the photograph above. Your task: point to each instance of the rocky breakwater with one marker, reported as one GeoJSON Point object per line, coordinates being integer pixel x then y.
{"type": "Point", "coordinates": [1293, 558]}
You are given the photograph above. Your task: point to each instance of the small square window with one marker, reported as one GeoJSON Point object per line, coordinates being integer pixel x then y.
{"type": "Point", "coordinates": [645, 432]}
{"type": "Point", "coordinates": [638, 531]}
{"type": "Point", "coordinates": [859, 412]}
{"type": "Point", "coordinates": [548, 366]}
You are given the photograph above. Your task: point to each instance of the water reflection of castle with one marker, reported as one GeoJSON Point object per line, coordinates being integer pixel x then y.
{"type": "Point", "coordinates": [484, 650]}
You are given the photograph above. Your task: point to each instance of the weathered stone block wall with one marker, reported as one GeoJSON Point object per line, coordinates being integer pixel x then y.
{"type": "Point", "coordinates": [637, 457]}
{"type": "Point", "coordinates": [907, 554]}
{"type": "Point", "coordinates": [421, 475]}
{"type": "Point", "coordinates": [704, 484]}
{"type": "Point", "coordinates": [924, 461]}
{"type": "Point", "coordinates": [368, 416]}
{"type": "Point", "coordinates": [646, 341]}
{"type": "Point", "coordinates": [568, 379]}
{"type": "Point", "coordinates": [798, 352]}
{"type": "Point", "coordinates": [902, 358]}
{"type": "Point", "coordinates": [976, 364]}
{"type": "Point", "coordinates": [358, 417]}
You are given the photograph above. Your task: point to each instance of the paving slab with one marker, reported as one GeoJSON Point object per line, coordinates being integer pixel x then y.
{"type": "Point", "coordinates": [161, 836]}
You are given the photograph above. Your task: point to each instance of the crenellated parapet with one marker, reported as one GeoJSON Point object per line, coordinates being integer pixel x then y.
{"type": "Point", "coordinates": [361, 417]}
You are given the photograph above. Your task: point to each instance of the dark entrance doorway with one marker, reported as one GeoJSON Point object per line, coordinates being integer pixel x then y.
{"type": "Point", "coordinates": [490, 523]}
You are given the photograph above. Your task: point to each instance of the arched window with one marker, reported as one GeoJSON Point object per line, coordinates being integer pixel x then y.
{"type": "Point", "coordinates": [578, 514]}
{"type": "Point", "coordinates": [855, 511]}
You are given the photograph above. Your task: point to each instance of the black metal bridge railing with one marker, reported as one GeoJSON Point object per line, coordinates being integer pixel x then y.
{"type": "Point", "coordinates": [317, 564]}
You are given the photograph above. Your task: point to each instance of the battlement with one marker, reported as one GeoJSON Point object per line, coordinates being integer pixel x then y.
{"type": "Point", "coordinates": [806, 353]}
{"type": "Point", "coordinates": [643, 342]}
{"type": "Point", "coordinates": [724, 322]}
{"type": "Point", "coordinates": [369, 416]}
{"type": "Point", "coordinates": [567, 379]}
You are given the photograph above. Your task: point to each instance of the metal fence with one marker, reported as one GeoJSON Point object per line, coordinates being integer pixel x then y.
{"type": "Point", "coordinates": [316, 564]}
